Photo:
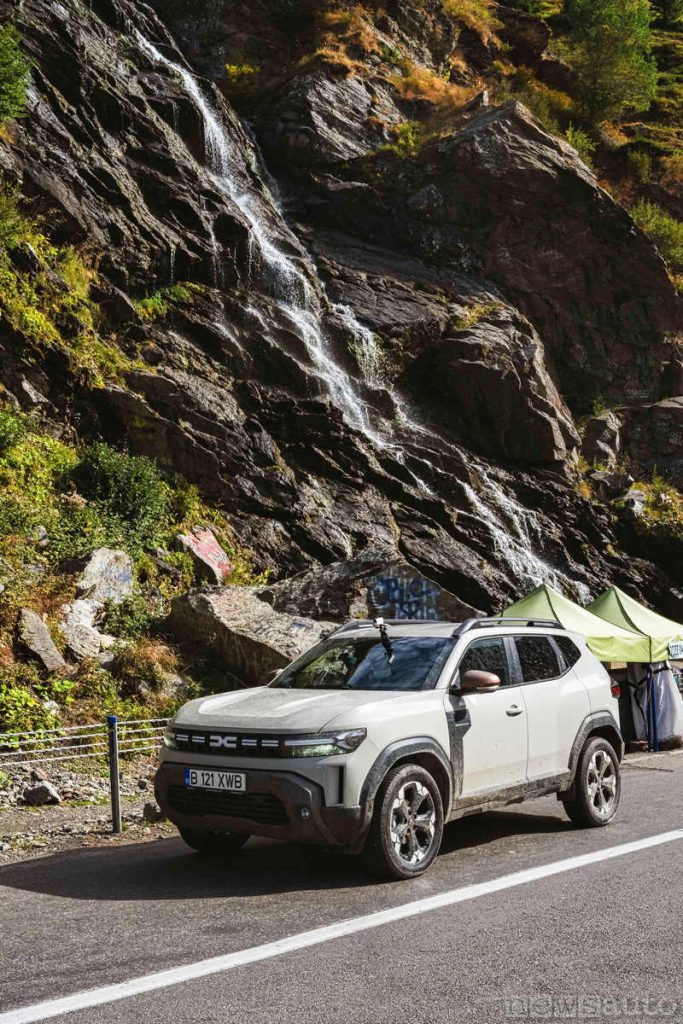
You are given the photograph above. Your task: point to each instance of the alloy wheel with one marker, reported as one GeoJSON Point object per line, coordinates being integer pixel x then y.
{"type": "Point", "coordinates": [413, 822]}
{"type": "Point", "coordinates": [602, 783]}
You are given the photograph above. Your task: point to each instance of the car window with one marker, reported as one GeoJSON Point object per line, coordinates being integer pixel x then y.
{"type": "Point", "coordinates": [487, 655]}
{"type": "Point", "coordinates": [537, 658]}
{"type": "Point", "coordinates": [570, 652]}
{"type": "Point", "coordinates": [347, 663]}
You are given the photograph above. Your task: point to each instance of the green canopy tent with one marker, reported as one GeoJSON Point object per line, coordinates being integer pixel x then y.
{"type": "Point", "coordinates": [607, 641]}
{"type": "Point", "coordinates": [665, 640]}
{"type": "Point", "coordinates": [614, 606]}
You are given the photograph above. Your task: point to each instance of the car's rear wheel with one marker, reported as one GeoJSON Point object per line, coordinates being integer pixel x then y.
{"type": "Point", "coordinates": [407, 824]}
{"type": "Point", "coordinates": [597, 785]}
{"type": "Point", "coordinates": [213, 842]}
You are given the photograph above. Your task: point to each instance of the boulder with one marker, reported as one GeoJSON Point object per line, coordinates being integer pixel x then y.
{"type": "Point", "coordinates": [210, 561]}
{"type": "Point", "coordinates": [151, 813]}
{"type": "Point", "coordinates": [78, 628]}
{"type": "Point", "coordinates": [107, 576]}
{"type": "Point", "coordinates": [602, 440]}
{"type": "Point", "coordinates": [37, 639]}
{"type": "Point", "coordinates": [40, 794]}
{"type": "Point", "coordinates": [377, 582]}
{"type": "Point", "coordinates": [323, 118]}
{"type": "Point", "coordinates": [610, 485]}
{"type": "Point", "coordinates": [252, 637]}
{"type": "Point", "coordinates": [633, 503]}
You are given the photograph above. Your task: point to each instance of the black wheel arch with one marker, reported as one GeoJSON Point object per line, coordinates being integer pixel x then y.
{"type": "Point", "coordinates": [599, 723]}
{"type": "Point", "coordinates": [421, 750]}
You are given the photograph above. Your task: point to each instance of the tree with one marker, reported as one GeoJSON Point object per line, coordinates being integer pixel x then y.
{"type": "Point", "coordinates": [668, 11]}
{"type": "Point", "coordinates": [610, 49]}
{"type": "Point", "coordinates": [13, 74]}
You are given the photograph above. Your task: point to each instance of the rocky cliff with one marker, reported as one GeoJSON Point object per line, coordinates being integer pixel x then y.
{"type": "Point", "coordinates": [349, 344]}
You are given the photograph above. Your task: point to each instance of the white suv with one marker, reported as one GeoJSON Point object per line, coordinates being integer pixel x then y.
{"type": "Point", "coordinates": [381, 733]}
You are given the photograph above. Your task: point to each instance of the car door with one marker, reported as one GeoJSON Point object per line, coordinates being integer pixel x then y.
{"type": "Point", "coordinates": [495, 744]}
{"type": "Point", "coordinates": [556, 704]}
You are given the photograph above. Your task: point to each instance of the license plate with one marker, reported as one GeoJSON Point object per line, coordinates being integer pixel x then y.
{"type": "Point", "coordinates": [198, 778]}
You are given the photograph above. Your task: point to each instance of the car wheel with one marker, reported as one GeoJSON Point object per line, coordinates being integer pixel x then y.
{"type": "Point", "coordinates": [597, 785]}
{"type": "Point", "coordinates": [213, 842]}
{"type": "Point", "coordinates": [407, 824]}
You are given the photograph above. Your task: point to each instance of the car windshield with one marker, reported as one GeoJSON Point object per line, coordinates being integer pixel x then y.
{"type": "Point", "coordinates": [364, 664]}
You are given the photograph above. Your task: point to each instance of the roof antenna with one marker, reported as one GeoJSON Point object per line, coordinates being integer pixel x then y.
{"type": "Point", "coordinates": [378, 623]}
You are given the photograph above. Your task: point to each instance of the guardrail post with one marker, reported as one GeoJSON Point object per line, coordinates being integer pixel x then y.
{"type": "Point", "coordinates": [114, 785]}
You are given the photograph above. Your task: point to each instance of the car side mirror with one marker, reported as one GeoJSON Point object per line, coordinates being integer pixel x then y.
{"type": "Point", "coordinates": [474, 680]}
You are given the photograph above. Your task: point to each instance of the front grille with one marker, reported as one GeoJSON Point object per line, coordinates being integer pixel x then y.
{"type": "Point", "coordinates": [259, 807]}
{"type": "Point", "coordinates": [200, 741]}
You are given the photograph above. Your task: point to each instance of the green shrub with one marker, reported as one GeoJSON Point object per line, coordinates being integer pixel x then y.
{"type": "Point", "coordinates": [13, 75]}
{"type": "Point", "coordinates": [664, 230]}
{"type": "Point", "coordinates": [158, 305]}
{"type": "Point", "coordinates": [639, 165]}
{"type": "Point", "coordinates": [12, 429]}
{"type": "Point", "coordinates": [13, 225]}
{"type": "Point", "coordinates": [582, 143]}
{"type": "Point", "coordinates": [133, 618]}
{"type": "Point", "coordinates": [22, 699]}
{"type": "Point", "coordinates": [126, 488]}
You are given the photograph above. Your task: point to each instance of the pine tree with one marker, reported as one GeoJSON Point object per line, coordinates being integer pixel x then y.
{"type": "Point", "coordinates": [610, 50]}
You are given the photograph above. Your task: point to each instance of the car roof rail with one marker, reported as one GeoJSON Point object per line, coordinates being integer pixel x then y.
{"type": "Point", "coordinates": [505, 620]}
{"type": "Point", "coordinates": [353, 624]}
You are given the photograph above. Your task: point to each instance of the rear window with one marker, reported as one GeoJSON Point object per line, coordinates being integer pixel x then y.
{"type": "Point", "coordinates": [537, 658]}
{"type": "Point", "coordinates": [570, 652]}
{"type": "Point", "coordinates": [346, 663]}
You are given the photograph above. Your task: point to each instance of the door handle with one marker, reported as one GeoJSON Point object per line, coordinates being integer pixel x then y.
{"type": "Point", "coordinates": [513, 710]}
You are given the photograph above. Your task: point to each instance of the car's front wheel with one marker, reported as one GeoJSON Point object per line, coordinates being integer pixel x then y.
{"type": "Point", "coordinates": [597, 785]}
{"type": "Point", "coordinates": [213, 842]}
{"type": "Point", "coordinates": [407, 823]}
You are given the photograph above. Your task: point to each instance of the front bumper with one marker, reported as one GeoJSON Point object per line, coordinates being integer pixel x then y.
{"type": "Point", "coordinates": [281, 805]}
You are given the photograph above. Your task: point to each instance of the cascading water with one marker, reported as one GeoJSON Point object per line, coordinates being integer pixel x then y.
{"type": "Point", "coordinates": [293, 292]}
{"type": "Point", "coordinates": [299, 302]}
{"type": "Point", "coordinates": [515, 543]}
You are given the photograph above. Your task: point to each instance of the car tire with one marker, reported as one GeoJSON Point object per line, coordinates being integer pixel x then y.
{"type": "Point", "coordinates": [213, 842]}
{"type": "Point", "coordinates": [597, 785]}
{"type": "Point", "coordinates": [407, 824]}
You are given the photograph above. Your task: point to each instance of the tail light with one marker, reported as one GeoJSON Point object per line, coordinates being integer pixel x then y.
{"type": "Point", "coordinates": [616, 689]}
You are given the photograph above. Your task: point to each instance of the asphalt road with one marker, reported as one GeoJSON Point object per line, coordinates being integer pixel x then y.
{"type": "Point", "coordinates": [601, 942]}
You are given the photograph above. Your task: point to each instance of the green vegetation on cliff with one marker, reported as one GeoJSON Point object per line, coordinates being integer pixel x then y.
{"type": "Point", "coordinates": [14, 69]}
{"type": "Point", "coordinates": [58, 502]}
{"type": "Point", "coordinates": [610, 44]}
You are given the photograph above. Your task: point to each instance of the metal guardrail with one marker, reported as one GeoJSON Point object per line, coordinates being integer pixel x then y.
{"type": "Point", "coordinates": [109, 741]}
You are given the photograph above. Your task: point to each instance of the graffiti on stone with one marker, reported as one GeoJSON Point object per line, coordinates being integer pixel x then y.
{"type": "Point", "coordinates": [404, 597]}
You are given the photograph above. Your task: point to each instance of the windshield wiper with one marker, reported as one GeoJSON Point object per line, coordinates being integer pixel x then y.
{"type": "Point", "coordinates": [379, 624]}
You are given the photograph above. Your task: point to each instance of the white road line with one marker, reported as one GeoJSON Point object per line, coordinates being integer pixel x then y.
{"type": "Point", "coordinates": [218, 964]}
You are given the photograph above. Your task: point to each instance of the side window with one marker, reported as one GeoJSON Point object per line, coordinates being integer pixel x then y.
{"type": "Point", "coordinates": [570, 652]}
{"type": "Point", "coordinates": [487, 655]}
{"type": "Point", "coordinates": [537, 658]}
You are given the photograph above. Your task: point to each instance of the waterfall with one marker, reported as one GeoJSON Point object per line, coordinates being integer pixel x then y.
{"type": "Point", "coordinates": [514, 543]}
{"type": "Point", "coordinates": [303, 306]}
{"type": "Point", "coordinates": [294, 295]}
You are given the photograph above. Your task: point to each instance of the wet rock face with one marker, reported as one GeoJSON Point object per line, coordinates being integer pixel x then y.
{"type": "Point", "coordinates": [493, 284]}
{"type": "Point", "coordinates": [499, 197]}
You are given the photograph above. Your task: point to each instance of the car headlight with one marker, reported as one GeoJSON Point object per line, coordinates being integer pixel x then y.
{"type": "Point", "coordinates": [169, 738]}
{"type": "Point", "coordinates": [324, 744]}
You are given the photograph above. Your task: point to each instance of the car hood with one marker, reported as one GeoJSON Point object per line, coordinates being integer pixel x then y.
{"type": "Point", "coordinates": [270, 708]}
